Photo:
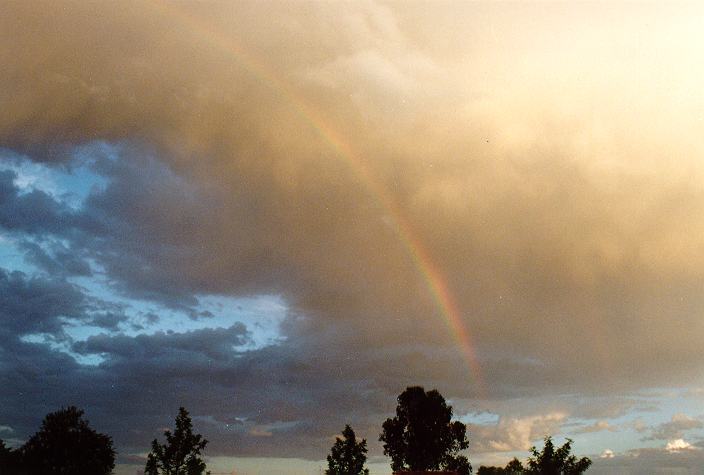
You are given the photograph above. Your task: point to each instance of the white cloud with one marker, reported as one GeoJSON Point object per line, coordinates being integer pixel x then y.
{"type": "Point", "coordinates": [607, 454]}
{"type": "Point", "coordinates": [517, 433]}
{"type": "Point", "coordinates": [679, 445]}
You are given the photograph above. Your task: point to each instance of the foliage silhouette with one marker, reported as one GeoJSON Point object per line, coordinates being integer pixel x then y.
{"type": "Point", "coordinates": [514, 467]}
{"type": "Point", "coordinates": [65, 444]}
{"type": "Point", "coordinates": [422, 435]}
{"type": "Point", "coordinates": [9, 459]}
{"type": "Point", "coordinates": [549, 461]}
{"type": "Point", "coordinates": [182, 452]}
{"type": "Point", "coordinates": [347, 456]}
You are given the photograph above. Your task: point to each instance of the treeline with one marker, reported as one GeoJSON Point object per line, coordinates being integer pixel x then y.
{"type": "Point", "coordinates": [421, 437]}
{"type": "Point", "coordinates": [549, 461]}
{"type": "Point", "coordinates": [66, 445]}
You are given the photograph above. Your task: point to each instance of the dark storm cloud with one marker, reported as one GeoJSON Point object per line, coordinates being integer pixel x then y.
{"type": "Point", "coordinates": [216, 343]}
{"type": "Point", "coordinates": [36, 304]}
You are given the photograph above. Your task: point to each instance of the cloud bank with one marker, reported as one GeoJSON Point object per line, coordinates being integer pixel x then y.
{"type": "Point", "coordinates": [560, 198]}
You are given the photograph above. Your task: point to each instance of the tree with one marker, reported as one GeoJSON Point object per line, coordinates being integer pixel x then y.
{"type": "Point", "coordinates": [65, 444]}
{"type": "Point", "coordinates": [347, 457]}
{"type": "Point", "coordinates": [9, 459]}
{"type": "Point", "coordinates": [422, 435]}
{"type": "Point", "coordinates": [514, 467]}
{"type": "Point", "coordinates": [558, 461]}
{"type": "Point", "coordinates": [182, 452]}
{"type": "Point", "coordinates": [484, 470]}
{"type": "Point", "coordinates": [550, 461]}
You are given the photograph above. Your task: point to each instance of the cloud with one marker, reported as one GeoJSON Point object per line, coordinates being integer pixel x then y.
{"type": "Point", "coordinates": [678, 445]}
{"type": "Point", "coordinates": [677, 457]}
{"type": "Point", "coordinates": [216, 343]}
{"type": "Point", "coordinates": [675, 428]}
{"type": "Point", "coordinates": [34, 211]}
{"type": "Point", "coordinates": [216, 193]}
{"type": "Point", "coordinates": [59, 260]}
{"type": "Point", "coordinates": [598, 426]}
{"type": "Point", "coordinates": [515, 434]}
{"type": "Point", "coordinates": [259, 157]}
{"type": "Point", "coordinates": [36, 304]}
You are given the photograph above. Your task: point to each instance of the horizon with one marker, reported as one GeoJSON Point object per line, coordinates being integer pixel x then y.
{"type": "Point", "coordinates": [281, 214]}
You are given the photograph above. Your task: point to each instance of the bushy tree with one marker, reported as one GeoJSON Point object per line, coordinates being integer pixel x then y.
{"type": "Point", "coordinates": [423, 436]}
{"type": "Point", "coordinates": [552, 461]}
{"type": "Point", "coordinates": [347, 456]}
{"type": "Point", "coordinates": [182, 452]}
{"type": "Point", "coordinates": [65, 444]}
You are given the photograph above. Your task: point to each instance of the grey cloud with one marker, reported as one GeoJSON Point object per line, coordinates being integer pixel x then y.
{"type": "Point", "coordinates": [33, 211]}
{"type": "Point", "coordinates": [36, 304]}
{"type": "Point", "coordinates": [107, 320]}
{"type": "Point", "coordinates": [649, 461]}
{"type": "Point", "coordinates": [675, 428]}
{"type": "Point", "coordinates": [598, 426]}
{"type": "Point", "coordinates": [58, 260]}
{"type": "Point", "coordinates": [216, 343]}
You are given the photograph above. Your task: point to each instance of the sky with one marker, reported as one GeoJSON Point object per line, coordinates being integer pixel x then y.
{"type": "Point", "coordinates": [281, 214]}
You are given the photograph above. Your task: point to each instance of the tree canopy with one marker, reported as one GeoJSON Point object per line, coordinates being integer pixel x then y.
{"type": "Point", "coordinates": [347, 456]}
{"type": "Point", "coordinates": [423, 436]}
{"type": "Point", "coordinates": [549, 461]}
{"type": "Point", "coordinates": [182, 452]}
{"type": "Point", "coordinates": [65, 444]}
{"type": "Point", "coordinates": [552, 461]}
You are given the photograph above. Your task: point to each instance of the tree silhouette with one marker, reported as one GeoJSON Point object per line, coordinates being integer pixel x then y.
{"type": "Point", "coordinates": [422, 435]}
{"type": "Point", "coordinates": [182, 452]}
{"type": "Point", "coordinates": [9, 459]}
{"type": "Point", "coordinates": [347, 456]}
{"type": "Point", "coordinates": [558, 461]}
{"type": "Point", "coordinates": [484, 470]}
{"type": "Point", "coordinates": [549, 461]}
{"type": "Point", "coordinates": [65, 444]}
{"type": "Point", "coordinates": [514, 467]}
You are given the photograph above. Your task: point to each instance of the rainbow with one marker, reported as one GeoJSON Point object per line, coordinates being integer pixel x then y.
{"type": "Point", "coordinates": [432, 275]}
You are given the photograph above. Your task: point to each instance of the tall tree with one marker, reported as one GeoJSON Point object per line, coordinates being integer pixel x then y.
{"type": "Point", "coordinates": [423, 436]}
{"type": "Point", "coordinates": [65, 444]}
{"type": "Point", "coordinates": [347, 456]}
{"type": "Point", "coordinates": [182, 452]}
{"type": "Point", "coordinates": [556, 461]}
